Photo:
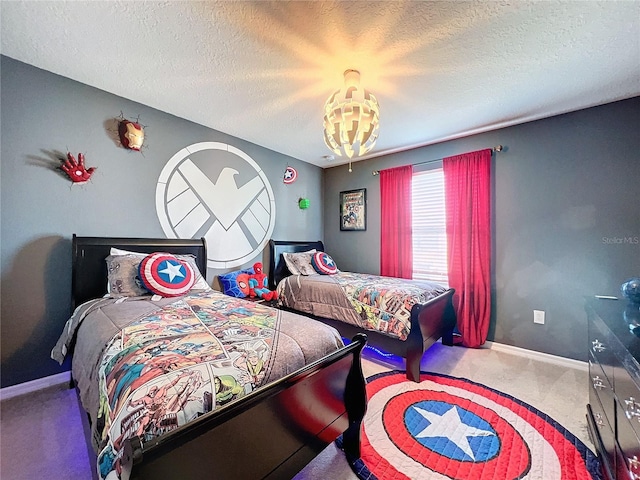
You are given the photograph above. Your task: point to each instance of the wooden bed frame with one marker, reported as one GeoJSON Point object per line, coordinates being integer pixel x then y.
{"type": "Point", "coordinates": [430, 321]}
{"type": "Point", "coordinates": [273, 432]}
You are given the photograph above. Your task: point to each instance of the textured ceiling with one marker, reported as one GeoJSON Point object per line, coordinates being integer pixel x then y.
{"type": "Point", "coordinates": [262, 71]}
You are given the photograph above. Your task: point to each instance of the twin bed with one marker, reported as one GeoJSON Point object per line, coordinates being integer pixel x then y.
{"type": "Point", "coordinates": [201, 385]}
{"type": "Point", "coordinates": [205, 385]}
{"type": "Point", "coordinates": [403, 317]}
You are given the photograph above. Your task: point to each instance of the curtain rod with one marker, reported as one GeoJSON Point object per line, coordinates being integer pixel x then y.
{"type": "Point", "coordinates": [497, 148]}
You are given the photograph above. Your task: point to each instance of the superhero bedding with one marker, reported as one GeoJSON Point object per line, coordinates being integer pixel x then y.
{"type": "Point", "coordinates": [371, 302]}
{"type": "Point", "coordinates": [144, 366]}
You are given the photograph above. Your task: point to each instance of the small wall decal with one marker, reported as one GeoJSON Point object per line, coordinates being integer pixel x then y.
{"type": "Point", "coordinates": [290, 175]}
{"type": "Point", "coordinates": [304, 203]}
{"type": "Point", "coordinates": [131, 134]}
{"type": "Point", "coordinates": [76, 170]}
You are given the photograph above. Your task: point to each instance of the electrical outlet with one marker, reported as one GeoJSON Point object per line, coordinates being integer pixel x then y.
{"type": "Point", "coordinates": [538, 316]}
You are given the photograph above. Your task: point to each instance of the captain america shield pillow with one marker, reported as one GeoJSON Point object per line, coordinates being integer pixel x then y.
{"type": "Point", "coordinates": [165, 275]}
{"type": "Point", "coordinates": [323, 264]}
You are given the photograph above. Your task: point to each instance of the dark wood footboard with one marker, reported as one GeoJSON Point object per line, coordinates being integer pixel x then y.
{"type": "Point", "coordinates": [429, 322]}
{"type": "Point", "coordinates": [271, 433]}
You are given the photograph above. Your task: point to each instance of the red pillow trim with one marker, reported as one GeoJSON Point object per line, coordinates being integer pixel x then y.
{"type": "Point", "coordinates": [165, 275]}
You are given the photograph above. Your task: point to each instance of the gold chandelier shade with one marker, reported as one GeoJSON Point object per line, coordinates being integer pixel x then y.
{"type": "Point", "coordinates": [351, 118]}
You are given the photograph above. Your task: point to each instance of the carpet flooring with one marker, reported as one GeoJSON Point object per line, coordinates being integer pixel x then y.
{"type": "Point", "coordinates": [41, 435]}
{"type": "Point", "coordinates": [448, 427]}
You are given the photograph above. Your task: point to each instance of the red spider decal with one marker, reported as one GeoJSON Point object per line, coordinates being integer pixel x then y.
{"type": "Point", "coordinates": [76, 170]}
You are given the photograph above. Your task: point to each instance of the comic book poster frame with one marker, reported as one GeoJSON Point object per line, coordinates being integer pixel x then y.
{"type": "Point", "coordinates": [353, 210]}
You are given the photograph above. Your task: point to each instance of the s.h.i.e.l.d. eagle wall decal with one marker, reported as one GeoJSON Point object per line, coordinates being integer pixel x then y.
{"type": "Point", "coordinates": [217, 191]}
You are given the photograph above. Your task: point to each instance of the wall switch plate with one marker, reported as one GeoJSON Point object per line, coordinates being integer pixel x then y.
{"type": "Point", "coordinates": [538, 316]}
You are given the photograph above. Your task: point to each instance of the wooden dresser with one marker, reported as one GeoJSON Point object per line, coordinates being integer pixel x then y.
{"type": "Point", "coordinates": [613, 413]}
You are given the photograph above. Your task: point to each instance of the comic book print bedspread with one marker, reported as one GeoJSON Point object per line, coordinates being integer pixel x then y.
{"type": "Point", "coordinates": [384, 303]}
{"type": "Point", "coordinates": [371, 302]}
{"type": "Point", "coordinates": [179, 361]}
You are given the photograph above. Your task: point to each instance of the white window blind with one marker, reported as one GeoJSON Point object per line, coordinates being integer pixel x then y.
{"type": "Point", "coordinates": [429, 226]}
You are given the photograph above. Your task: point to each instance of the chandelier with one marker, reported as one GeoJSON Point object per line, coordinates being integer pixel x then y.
{"type": "Point", "coordinates": [351, 118]}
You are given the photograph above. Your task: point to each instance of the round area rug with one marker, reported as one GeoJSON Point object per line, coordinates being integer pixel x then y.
{"type": "Point", "coordinates": [452, 428]}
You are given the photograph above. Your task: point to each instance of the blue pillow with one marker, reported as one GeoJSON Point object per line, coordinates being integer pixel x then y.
{"type": "Point", "coordinates": [230, 285]}
{"type": "Point", "coordinates": [323, 264]}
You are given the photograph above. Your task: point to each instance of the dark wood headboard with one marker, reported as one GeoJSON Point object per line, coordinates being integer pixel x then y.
{"type": "Point", "coordinates": [89, 269]}
{"type": "Point", "coordinates": [277, 266]}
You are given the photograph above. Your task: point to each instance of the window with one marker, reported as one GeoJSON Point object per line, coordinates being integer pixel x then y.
{"type": "Point", "coordinates": [429, 226]}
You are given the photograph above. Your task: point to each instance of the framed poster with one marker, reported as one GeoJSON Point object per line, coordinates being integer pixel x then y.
{"type": "Point", "coordinates": [353, 210]}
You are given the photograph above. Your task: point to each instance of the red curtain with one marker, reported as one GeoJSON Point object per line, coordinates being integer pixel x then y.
{"type": "Point", "coordinates": [396, 249]}
{"type": "Point", "coordinates": [467, 180]}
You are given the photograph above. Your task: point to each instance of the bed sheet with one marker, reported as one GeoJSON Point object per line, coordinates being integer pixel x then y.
{"type": "Point", "coordinates": [144, 367]}
{"type": "Point", "coordinates": [371, 302]}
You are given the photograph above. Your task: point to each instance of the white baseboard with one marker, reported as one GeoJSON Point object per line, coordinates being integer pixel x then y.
{"type": "Point", "coordinates": [543, 357]}
{"type": "Point", "coordinates": [34, 385]}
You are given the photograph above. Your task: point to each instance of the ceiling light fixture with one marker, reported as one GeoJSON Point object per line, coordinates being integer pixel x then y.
{"type": "Point", "coordinates": [351, 118]}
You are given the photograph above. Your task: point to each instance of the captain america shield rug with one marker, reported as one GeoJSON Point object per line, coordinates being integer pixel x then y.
{"type": "Point", "coordinates": [451, 428]}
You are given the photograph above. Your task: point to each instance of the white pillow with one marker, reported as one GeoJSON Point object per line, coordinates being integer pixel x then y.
{"type": "Point", "coordinates": [300, 263]}
{"type": "Point", "coordinates": [200, 283]}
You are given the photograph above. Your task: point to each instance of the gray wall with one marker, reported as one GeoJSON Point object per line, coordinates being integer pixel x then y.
{"type": "Point", "coordinates": [44, 116]}
{"type": "Point", "coordinates": [566, 189]}
{"type": "Point", "coordinates": [566, 219]}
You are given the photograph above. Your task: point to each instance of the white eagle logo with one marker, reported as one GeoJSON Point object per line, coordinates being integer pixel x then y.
{"type": "Point", "coordinates": [237, 221]}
